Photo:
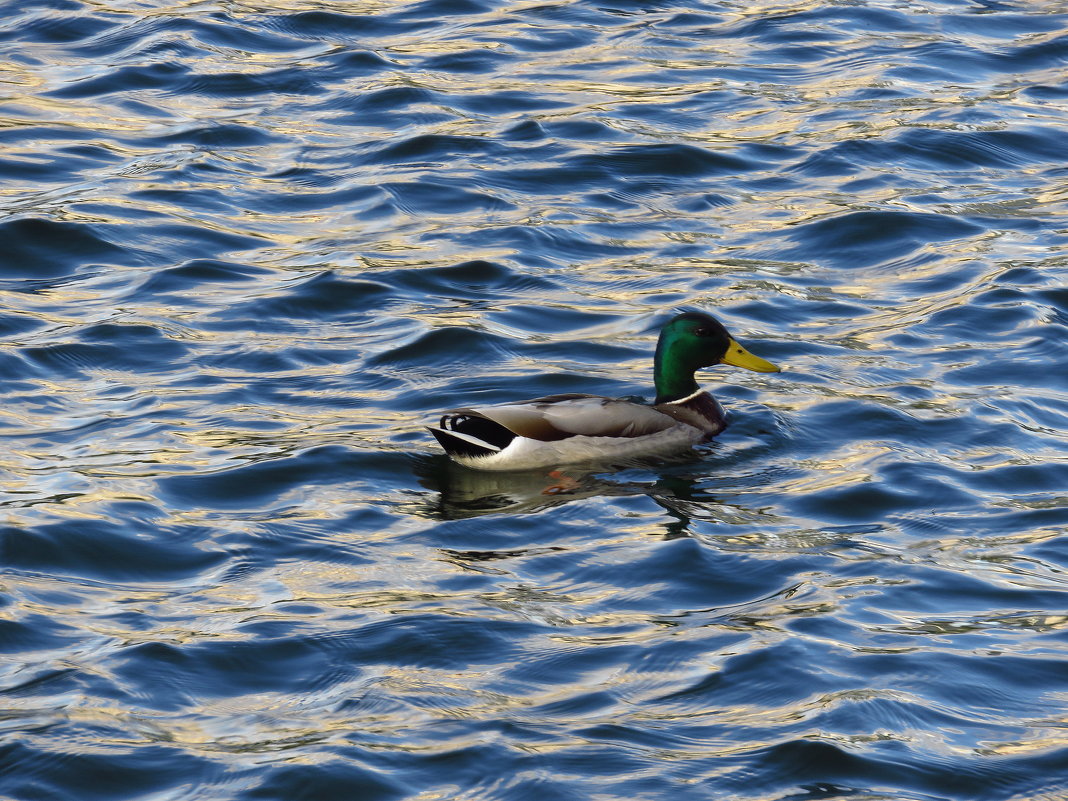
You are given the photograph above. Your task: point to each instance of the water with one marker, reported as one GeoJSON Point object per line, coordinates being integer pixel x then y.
{"type": "Point", "coordinates": [250, 248]}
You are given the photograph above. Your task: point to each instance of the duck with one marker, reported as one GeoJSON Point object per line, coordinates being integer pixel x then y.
{"type": "Point", "coordinates": [559, 430]}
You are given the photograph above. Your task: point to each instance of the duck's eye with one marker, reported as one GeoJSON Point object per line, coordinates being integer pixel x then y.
{"type": "Point", "coordinates": [702, 332]}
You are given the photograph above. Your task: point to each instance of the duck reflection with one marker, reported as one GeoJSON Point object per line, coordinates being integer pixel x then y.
{"type": "Point", "coordinates": [460, 492]}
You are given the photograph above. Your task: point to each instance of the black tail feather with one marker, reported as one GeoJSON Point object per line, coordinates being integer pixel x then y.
{"type": "Point", "coordinates": [469, 435]}
{"type": "Point", "coordinates": [455, 445]}
{"type": "Point", "coordinates": [482, 428]}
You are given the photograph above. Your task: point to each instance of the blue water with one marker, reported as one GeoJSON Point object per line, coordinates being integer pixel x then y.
{"type": "Point", "coordinates": [248, 249]}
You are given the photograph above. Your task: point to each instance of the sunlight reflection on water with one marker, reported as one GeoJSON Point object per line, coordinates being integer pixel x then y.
{"type": "Point", "coordinates": [250, 251]}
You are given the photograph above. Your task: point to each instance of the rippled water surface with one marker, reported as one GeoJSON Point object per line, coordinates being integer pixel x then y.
{"type": "Point", "coordinates": [248, 249]}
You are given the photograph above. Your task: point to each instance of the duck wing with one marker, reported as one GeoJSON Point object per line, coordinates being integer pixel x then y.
{"type": "Point", "coordinates": [558, 417]}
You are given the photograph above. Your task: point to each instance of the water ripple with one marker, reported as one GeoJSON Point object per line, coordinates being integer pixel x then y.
{"type": "Point", "coordinates": [251, 250]}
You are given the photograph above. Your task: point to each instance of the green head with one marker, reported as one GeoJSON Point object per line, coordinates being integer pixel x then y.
{"type": "Point", "coordinates": [691, 341]}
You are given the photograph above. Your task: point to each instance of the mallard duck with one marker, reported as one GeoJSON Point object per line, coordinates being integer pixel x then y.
{"type": "Point", "coordinates": [565, 429]}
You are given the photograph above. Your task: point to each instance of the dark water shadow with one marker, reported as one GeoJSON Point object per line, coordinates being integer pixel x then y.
{"type": "Point", "coordinates": [459, 492]}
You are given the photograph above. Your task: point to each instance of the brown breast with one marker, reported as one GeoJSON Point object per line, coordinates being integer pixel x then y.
{"type": "Point", "coordinates": [701, 411]}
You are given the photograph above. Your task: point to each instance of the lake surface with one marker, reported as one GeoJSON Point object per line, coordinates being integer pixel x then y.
{"type": "Point", "coordinates": [248, 249]}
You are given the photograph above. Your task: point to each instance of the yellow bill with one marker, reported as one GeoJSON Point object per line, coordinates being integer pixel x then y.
{"type": "Point", "coordinates": [738, 356]}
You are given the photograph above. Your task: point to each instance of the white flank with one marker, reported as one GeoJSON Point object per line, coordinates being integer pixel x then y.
{"type": "Point", "coordinates": [530, 454]}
